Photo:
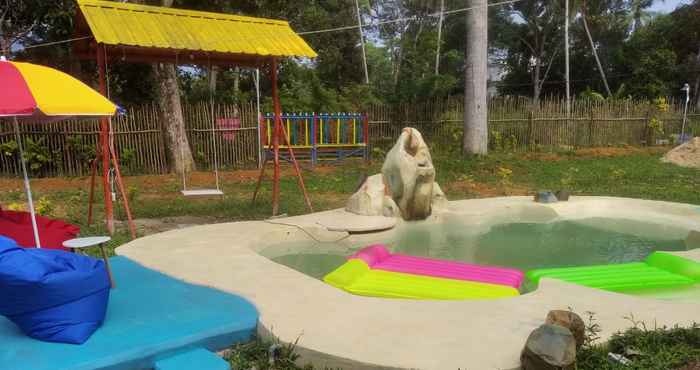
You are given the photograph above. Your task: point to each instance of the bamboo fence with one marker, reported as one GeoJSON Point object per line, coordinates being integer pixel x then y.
{"type": "Point", "coordinates": [515, 124]}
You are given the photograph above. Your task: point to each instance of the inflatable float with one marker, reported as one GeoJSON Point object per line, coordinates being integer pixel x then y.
{"type": "Point", "coordinates": [374, 271]}
{"type": "Point", "coordinates": [658, 270]}
{"type": "Point", "coordinates": [378, 257]}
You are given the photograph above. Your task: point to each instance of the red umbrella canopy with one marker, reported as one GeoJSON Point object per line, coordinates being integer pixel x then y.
{"type": "Point", "coordinates": [34, 91]}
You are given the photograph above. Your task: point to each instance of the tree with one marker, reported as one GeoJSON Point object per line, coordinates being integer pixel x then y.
{"type": "Point", "coordinates": [652, 63]}
{"type": "Point", "coordinates": [637, 10]}
{"type": "Point", "coordinates": [685, 41]}
{"type": "Point", "coordinates": [168, 99]}
{"type": "Point", "coordinates": [23, 22]}
{"type": "Point", "coordinates": [475, 137]}
{"type": "Point", "coordinates": [540, 39]}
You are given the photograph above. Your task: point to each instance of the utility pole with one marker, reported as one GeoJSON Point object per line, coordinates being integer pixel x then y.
{"type": "Point", "coordinates": [439, 37]}
{"type": "Point", "coordinates": [362, 40]}
{"type": "Point", "coordinates": [566, 58]}
{"type": "Point", "coordinates": [685, 88]}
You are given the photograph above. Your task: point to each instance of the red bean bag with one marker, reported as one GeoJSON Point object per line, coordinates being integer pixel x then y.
{"type": "Point", "coordinates": [52, 233]}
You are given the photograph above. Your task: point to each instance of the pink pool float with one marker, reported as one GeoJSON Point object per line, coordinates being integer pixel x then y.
{"type": "Point", "coordinates": [378, 257]}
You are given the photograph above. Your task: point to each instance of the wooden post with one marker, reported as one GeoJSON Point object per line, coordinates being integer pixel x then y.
{"type": "Point", "coordinates": [276, 133]}
{"type": "Point", "coordinates": [120, 186]}
{"type": "Point", "coordinates": [104, 146]}
{"type": "Point", "coordinates": [107, 152]}
{"type": "Point", "coordinates": [314, 149]}
{"type": "Point", "coordinates": [365, 136]}
{"type": "Point", "coordinates": [91, 199]}
{"type": "Point", "coordinates": [298, 171]}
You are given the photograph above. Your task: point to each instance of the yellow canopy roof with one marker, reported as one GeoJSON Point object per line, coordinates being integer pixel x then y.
{"type": "Point", "coordinates": [131, 25]}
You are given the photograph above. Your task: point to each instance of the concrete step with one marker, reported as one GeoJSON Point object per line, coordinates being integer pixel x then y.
{"type": "Point", "coordinates": [194, 359]}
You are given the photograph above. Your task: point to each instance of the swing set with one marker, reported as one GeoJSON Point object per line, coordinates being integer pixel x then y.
{"type": "Point", "coordinates": [123, 32]}
{"type": "Point", "coordinates": [188, 192]}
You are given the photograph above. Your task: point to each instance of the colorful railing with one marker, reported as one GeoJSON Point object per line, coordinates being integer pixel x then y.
{"type": "Point", "coordinates": [319, 136]}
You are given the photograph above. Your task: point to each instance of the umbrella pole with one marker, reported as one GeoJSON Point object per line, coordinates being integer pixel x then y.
{"type": "Point", "coordinates": [26, 185]}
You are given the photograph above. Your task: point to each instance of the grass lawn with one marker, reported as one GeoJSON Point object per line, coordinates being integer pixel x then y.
{"type": "Point", "coordinates": [625, 172]}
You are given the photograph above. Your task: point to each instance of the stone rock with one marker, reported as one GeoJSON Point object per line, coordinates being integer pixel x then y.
{"type": "Point", "coordinates": [545, 197]}
{"type": "Point", "coordinates": [406, 187]}
{"type": "Point", "coordinates": [692, 241]}
{"type": "Point", "coordinates": [562, 195]}
{"type": "Point", "coordinates": [370, 199]}
{"type": "Point", "coordinates": [549, 347]}
{"type": "Point", "coordinates": [569, 320]}
{"type": "Point", "coordinates": [685, 155]}
{"type": "Point", "coordinates": [439, 199]}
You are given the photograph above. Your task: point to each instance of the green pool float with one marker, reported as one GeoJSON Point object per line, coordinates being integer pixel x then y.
{"type": "Point", "coordinates": [658, 270]}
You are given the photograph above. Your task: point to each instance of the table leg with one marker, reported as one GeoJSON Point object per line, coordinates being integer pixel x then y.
{"type": "Point", "coordinates": [109, 268]}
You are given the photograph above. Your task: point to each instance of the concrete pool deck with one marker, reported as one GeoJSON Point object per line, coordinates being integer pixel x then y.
{"type": "Point", "coordinates": [337, 329]}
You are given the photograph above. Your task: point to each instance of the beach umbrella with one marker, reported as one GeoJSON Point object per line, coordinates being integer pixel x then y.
{"type": "Point", "coordinates": [35, 93]}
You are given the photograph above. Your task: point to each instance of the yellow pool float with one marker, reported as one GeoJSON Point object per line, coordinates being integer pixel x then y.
{"type": "Point", "coordinates": [356, 276]}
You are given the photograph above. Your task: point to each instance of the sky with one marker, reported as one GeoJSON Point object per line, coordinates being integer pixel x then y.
{"type": "Point", "coordinates": [667, 6]}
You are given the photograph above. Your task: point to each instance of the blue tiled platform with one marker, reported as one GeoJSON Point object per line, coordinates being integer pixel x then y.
{"type": "Point", "coordinates": [151, 317]}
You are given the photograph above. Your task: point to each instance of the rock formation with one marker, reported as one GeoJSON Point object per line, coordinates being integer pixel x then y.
{"type": "Point", "coordinates": [406, 187]}
{"type": "Point", "coordinates": [685, 155]}
{"type": "Point", "coordinates": [571, 321]}
{"type": "Point", "coordinates": [549, 347]}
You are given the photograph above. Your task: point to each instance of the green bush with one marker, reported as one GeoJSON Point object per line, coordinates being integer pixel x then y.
{"type": "Point", "coordinates": [649, 349]}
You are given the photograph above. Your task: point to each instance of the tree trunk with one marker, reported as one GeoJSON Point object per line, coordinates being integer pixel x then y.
{"type": "Point", "coordinates": [237, 84]}
{"type": "Point", "coordinates": [213, 74]}
{"type": "Point", "coordinates": [475, 139]}
{"type": "Point", "coordinates": [176, 143]}
{"type": "Point", "coordinates": [177, 146]}
{"type": "Point", "coordinates": [595, 53]}
{"type": "Point", "coordinates": [536, 85]}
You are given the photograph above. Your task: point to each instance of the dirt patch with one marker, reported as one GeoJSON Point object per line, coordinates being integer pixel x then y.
{"type": "Point", "coordinates": [483, 190]}
{"type": "Point", "coordinates": [44, 184]}
{"type": "Point", "coordinates": [148, 226]}
{"type": "Point", "coordinates": [543, 156]}
{"type": "Point", "coordinates": [608, 151]}
{"type": "Point", "coordinates": [695, 365]}
{"type": "Point", "coordinates": [198, 179]}
{"type": "Point", "coordinates": [685, 155]}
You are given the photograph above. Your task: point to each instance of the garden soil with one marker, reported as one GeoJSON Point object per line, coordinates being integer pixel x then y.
{"type": "Point", "coordinates": [685, 155]}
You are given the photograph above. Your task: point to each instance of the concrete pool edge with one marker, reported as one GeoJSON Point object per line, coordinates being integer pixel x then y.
{"type": "Point", "coordinates": [339, 329]}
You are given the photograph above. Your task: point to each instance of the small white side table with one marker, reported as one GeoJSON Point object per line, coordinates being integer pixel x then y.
{"type": "Point", "coordinates": [92, 241]}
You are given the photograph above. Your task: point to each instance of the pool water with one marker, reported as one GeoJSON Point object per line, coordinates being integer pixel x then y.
{"type": "Point", "coordinates": [521, 245]}
{"type": "Point", "coordinates": [527, 246]}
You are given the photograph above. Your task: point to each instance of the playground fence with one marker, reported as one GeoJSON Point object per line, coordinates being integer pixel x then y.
{"type": "Point", "coordinates": [515, 124]}
{"type": "Point", "coordinates": [318, 136]}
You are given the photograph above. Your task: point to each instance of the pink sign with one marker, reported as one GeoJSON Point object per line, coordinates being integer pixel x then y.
{"type": "Point", "coordinates": [228, 124]}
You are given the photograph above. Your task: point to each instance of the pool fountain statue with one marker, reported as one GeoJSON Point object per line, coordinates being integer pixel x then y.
{"type": "Point", "coordinates": [406, 187]}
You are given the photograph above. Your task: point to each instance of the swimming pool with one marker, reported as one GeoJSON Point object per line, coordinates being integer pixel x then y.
{"type": "Point", "coordinates": [379, 333]}
{"type": "Point", "coordinates": [523, 245]}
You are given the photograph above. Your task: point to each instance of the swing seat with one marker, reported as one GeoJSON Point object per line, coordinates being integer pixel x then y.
{"type": "Point", "coordinates": [202, 192]}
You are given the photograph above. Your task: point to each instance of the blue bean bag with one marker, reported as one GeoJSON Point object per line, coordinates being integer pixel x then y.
{"type": "Point", "coordinates": [52, 295]}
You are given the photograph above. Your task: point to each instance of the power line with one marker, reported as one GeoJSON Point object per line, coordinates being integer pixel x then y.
{"type": "Point", "coordinates": [56, 42]}
{"type": "Point", "coordinates": [397, 20]}
{"type": "Point", "coordinates": [620, 75]}
{"type": "Point", "coordinates": [411, 18]}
